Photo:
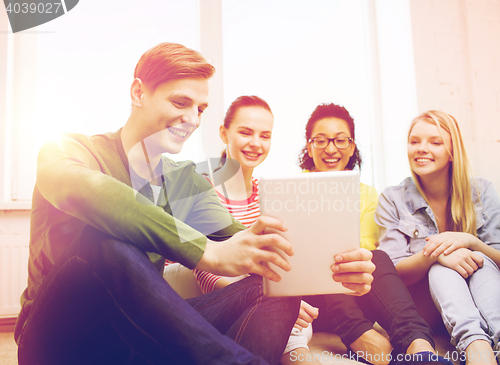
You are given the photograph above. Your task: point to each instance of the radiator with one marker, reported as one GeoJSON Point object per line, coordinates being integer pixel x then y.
{"type": "Point", "coordinates": [13, 272]}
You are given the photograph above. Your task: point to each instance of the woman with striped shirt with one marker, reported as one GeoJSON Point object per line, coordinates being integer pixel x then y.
{"type": "Point", "coordinates": [246, 132]}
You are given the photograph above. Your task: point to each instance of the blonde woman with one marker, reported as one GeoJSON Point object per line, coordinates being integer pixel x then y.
{"type": "Point", "coordinates": [442, 224]}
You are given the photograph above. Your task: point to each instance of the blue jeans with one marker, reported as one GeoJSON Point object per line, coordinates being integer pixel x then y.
{"type": "Point", "coordinates": [106, 303]}
{"type": "Point", "coordinates": [469, 307]}
{"type": "Point", "coordinates": [388, 303]}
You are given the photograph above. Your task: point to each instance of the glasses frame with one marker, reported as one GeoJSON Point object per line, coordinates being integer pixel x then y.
{"type": "Point", "coordinates": [331, 140]}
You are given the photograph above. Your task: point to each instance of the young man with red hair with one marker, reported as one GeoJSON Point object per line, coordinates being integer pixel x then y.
{"type": "Point", "coordinates": [109, 209]}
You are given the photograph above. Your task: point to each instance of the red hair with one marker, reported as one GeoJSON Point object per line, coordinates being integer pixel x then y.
{"type": "Point", "coordinates": [170, 61]}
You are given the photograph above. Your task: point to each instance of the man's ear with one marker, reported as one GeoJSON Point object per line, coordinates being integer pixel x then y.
{"type": "Point", "coordinates": [136, 92]}
{"type": "Point", "coordinates": [222, 134]}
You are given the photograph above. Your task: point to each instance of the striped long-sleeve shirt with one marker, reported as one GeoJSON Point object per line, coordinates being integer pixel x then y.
{"type": "Point", "coordinates": [246, 212]}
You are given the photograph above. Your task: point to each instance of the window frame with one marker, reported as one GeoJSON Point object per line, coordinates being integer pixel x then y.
{"type": "Point", "coordinates": [7, 158]}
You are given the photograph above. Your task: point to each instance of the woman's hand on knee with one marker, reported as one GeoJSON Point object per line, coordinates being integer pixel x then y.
{"type": "Point", "coordinates": [463, 261]}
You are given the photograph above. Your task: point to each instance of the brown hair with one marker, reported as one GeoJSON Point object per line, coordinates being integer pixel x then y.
{"type": "Point", "coordinates": [170, 61]}
{"type": "Point", "coordinates": [242, 102]}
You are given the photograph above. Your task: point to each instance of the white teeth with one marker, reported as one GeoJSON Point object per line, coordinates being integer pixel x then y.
{"type": "Point", "coordinates": [423, 159]}
{"type": "Point", "coordinates": [251, 154]}
{"type": "Point", "coordinates": [331, 160]}
{"type": "Point", "coordinates": [177, 132]}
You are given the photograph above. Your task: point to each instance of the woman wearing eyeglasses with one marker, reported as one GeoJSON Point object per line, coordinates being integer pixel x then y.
{"type": "Point", "coordinates": [331, 147]}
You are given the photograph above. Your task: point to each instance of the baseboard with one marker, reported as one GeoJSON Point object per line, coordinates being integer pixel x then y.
{"type": "Point", "coordinates": [7, 324]}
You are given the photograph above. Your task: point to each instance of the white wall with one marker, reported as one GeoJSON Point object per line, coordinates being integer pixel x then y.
{"type": "Point", "coordinates": [14, 238]}
{"type": "Point", "coordinates": [396, 90]}
{"type": "Point", "coordinates": [296, 56]}
{"type": "Point", "coordinates": [457, 67]}
{"type": "Point", "coordinates": [457, 62]}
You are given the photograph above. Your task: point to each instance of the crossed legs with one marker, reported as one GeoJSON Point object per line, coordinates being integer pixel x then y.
{"type": "Point", "coordinates": [106, 303]}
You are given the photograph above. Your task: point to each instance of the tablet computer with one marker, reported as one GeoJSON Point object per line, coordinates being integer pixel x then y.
{"type": "Point", "coordinates": [322, 212]}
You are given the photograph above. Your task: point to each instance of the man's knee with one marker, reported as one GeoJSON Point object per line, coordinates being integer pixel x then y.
{"type": "Point", "coordinates": [289, 305]}
{"type": "Point", "coordinates": [112, 247]}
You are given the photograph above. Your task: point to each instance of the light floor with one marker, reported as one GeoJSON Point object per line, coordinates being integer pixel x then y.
{"type": "Point", "coordinates": [8, 349]}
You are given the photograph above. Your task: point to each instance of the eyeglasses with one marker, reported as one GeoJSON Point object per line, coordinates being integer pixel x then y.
{"type": "Point", "coordinates": [339, 142]}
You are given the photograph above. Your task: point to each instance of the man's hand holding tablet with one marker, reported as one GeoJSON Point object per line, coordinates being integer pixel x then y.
{"type": "Point", "coordinates": [246, 252]}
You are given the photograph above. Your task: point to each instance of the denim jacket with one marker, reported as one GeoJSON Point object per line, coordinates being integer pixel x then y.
{"type": "Point", "coordinates": [405, 219]}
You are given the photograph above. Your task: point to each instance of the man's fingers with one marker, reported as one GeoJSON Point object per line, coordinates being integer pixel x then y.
{"type": "Point", "coordinates": [264, 222]}
{"type": "Point", "coordinates": [265, 272]}
{"type": "Point", "coordinates": [273, 257]}
{"type": "Point", "coordinates": [273, 240]}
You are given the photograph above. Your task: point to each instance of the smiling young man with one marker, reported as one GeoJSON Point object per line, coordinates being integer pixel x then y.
{"type": "Point", "coordinates": [108, 209]}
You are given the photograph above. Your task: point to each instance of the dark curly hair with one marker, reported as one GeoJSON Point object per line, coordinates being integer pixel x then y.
{"type": "Point", "coordinates": [323, 111]}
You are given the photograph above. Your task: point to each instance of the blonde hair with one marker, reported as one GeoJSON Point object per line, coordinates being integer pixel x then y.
{"type": "Point", "coordinates": [460, 204]}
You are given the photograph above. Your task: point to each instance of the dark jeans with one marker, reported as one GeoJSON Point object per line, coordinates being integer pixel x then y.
{"type": "Point", "coordinates": [388, 303]}
{"type": "Point", "coordinates": [105, 303]}
{"type": "Point", "coordinates": [426, 307]}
